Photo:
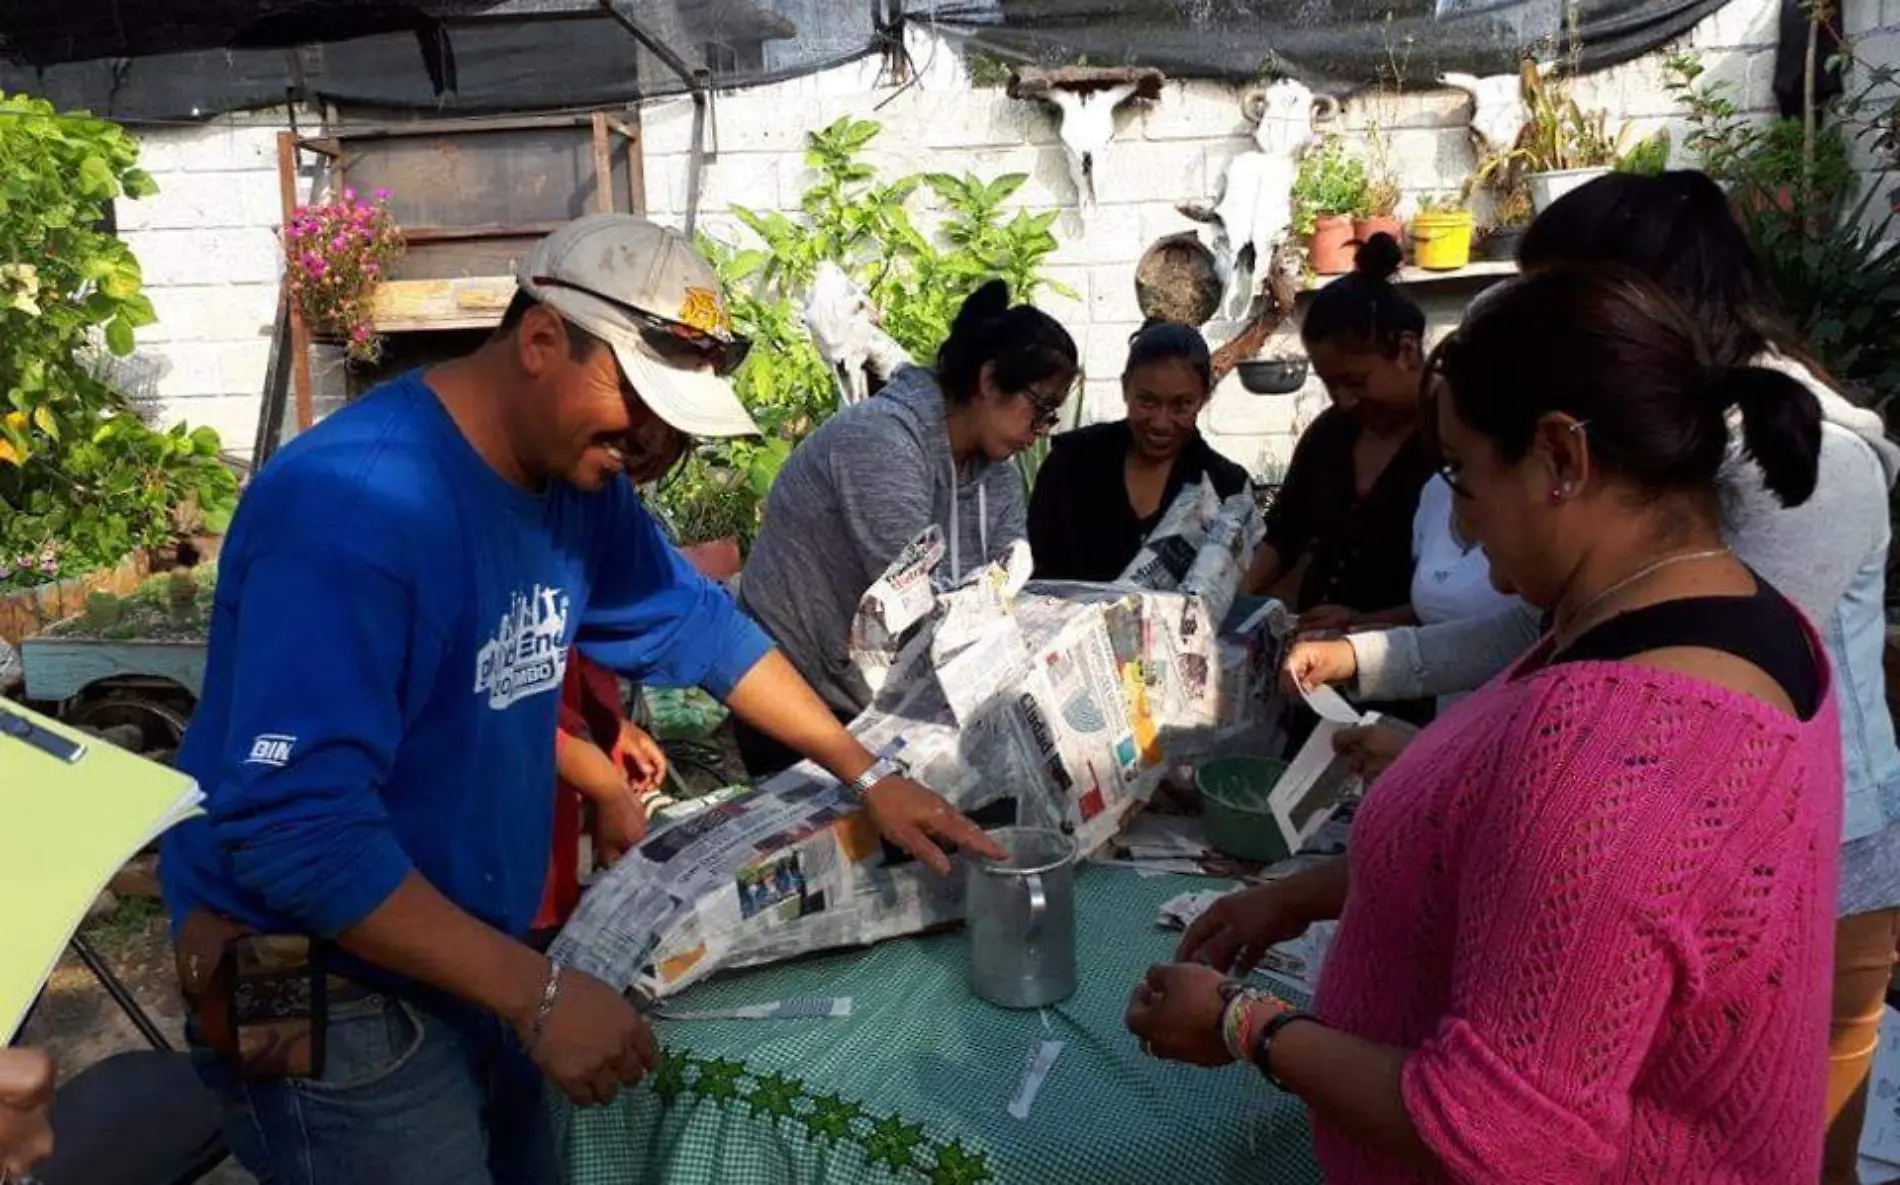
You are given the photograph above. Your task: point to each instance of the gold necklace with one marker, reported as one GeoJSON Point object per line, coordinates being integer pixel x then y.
{"type": "Point", "coordinates": [1641, 573]}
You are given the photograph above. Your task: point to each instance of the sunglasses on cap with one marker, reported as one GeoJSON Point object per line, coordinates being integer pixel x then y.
{"type": "Point", "coordinates": [673, 343]}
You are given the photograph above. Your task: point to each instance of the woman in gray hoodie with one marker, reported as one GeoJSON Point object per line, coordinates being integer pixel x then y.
{"type": "Point", "coordinates": [1829, 555]}
{"type": "Point", "coordinates": [933, 447]}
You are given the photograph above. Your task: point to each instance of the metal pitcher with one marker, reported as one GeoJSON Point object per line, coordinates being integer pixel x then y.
{"type": "Point", "coordinates": [1022, 920]}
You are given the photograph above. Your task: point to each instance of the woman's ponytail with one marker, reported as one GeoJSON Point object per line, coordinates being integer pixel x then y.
{"type": "Point", "coordinates": [1781, 427]}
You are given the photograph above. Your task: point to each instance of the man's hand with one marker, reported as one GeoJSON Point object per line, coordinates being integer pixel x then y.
{"type": "Point", "coordinates": [1370, 748]}
{"type": "Point", "coordinates": [594, 1041]}
{"type": "Point", "coordinates": [1324, 662]}
{"type": "Point", "coordinates": [912, 816]}
{"type": "Point", "coordinates": [640, 758]}
{"type": "Point", "coordinates": [26, 1092]}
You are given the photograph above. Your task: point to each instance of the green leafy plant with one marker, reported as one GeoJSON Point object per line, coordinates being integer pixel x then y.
{"type": "Point", "coordinates": [1330, 182]}
{"type": "Point", "coordinates": [1647, 157]}
{"type": "Point", "coordinates": [83, 480]}
{"type": "Point", "coordinates": [1559, 134]}
{"type": "Point", "coordinates": [850, 217]}
{"type": "Point", "coordinates": [172, 607]}
{"type": "Point", "coordinates": [1763, 162]}
{"type": "Point", "coordinates": [1441, 203]}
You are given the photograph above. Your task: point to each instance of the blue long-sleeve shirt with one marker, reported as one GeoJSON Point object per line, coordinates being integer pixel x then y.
{"type": "Point", "coordinates": [386, 655]}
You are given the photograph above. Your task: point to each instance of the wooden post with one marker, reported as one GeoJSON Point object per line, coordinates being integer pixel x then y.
{"type": "Point", "coordinates": [636, 164]}
{"type": "Point", "coordinates": [603, 166]}
{"type": "Point", "coordinates": [303, 383]}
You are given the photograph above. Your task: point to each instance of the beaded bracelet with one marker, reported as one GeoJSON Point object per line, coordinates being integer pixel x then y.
{"type": "Point", "coordinates": [1247, 1011]}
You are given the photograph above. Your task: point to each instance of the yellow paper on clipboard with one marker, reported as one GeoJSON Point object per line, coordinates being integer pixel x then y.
{"type": "Point", "coordinates": [67, 823]}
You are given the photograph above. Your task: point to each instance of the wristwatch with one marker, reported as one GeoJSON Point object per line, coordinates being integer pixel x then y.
{"type": "Point", "coordinates": [1263, 1043]}
{"type": "Point", "coordinates": [883, 767]}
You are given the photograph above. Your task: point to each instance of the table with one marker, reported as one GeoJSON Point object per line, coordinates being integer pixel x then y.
{"type": "Point", "coordinates": [914, 1085]}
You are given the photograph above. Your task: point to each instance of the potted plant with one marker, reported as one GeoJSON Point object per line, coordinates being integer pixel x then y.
{"type": "Point", "coordinates": [1378, 213]}
{"type": "Point", "coordinates": [1563, 146]}
{"type": "Point", "coordinates": [1329, 188]}
{"type": "Point", "coordinates": [335, 254]}
{"type": "Point", "coordinates": [1441, 233]}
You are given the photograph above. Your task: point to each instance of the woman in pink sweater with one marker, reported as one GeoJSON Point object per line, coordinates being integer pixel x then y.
{"type": "Point", "coordinates": [1585, 921]}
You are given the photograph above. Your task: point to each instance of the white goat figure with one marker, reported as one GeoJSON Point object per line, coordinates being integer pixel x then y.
{"type": "Point", "coordinates": [1498, 113]}
{"type": "Point", "coordinates": [844, 326]}
{"type": "Point", "coordinates": [1254, 213]}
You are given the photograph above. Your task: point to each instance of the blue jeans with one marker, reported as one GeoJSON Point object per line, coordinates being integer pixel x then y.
{"type": "Point", "coordinates": [407, 1098]}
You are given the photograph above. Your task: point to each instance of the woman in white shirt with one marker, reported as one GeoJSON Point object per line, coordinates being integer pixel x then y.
{"type": "Point", "coordinates": [1451, 578]}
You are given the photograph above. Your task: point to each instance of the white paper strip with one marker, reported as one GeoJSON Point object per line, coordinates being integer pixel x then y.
{"type": "Point", "coordinates": [810, 1008]}
{"type": "Point", "coordinates": [1041, 1060]}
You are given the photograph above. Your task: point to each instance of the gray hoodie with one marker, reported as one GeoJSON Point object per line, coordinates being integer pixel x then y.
{"type": "Point", "coordinates": [850, 497]}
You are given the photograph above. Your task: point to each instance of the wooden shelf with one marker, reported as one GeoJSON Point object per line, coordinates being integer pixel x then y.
{"type": "Point", "coordinates": [473, 302]}
{"type": "Point", "coordinates": [1480, 270]}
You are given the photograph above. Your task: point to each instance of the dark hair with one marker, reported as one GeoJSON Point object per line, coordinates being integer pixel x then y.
{"type": "Point", "coordinates": [580, 343]}
{"type": "Point", "coordinates": [1362, 310]}
{"type": "Point", "coordinates": [1161, 340]}
{"type": "Point", "coordinates": [1025, 345]}
{"type": "Point", "coordinates": [1678, 229]}
{"type": "Point", "coordinates": [1611, 349]}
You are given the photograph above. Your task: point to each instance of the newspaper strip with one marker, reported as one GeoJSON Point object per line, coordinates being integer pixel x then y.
{"type": "Point", "coordinates": [1041, 705]}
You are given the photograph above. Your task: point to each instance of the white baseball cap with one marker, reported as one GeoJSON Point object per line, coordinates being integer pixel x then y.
{"type": "Point", "coordinates": [641, 288]}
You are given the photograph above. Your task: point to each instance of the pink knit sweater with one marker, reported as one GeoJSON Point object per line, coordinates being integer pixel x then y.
{"type": "Point", "coordinates": [1596, 903]}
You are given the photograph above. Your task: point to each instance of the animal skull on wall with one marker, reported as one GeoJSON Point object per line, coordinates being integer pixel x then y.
{"type": "Point", "coordinates": [844, 326]}
{"type": "Point", "coordinates": [1254, 213]}
{"type": "Point", "coordinates": [1085, 100]}
{"type": "Point", "coordinates": [1498, 113]}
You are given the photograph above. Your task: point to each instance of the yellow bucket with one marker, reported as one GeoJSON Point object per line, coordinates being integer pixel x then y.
{"type": "Point", "coordinates": [1443, 240]}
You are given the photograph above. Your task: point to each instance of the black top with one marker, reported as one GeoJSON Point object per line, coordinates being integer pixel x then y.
{"type": "Point", "coordinates": [1763, 629]}
{"type": "Point", "coordinates": [1081, 526]}
{"type": "Point", "coordinates": [1361, 547]}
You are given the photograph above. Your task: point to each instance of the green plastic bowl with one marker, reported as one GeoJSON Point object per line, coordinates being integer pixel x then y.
{"type": "Point", "coordinates": [1234, 794]}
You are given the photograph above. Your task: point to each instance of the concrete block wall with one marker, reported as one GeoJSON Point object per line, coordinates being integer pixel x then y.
{"type": "Point", "coordinates": [1164, 153]}
{"type": "Point", "coordinates": [207, 242]}
{"type": "Point", "coordinates": [1873, 31]}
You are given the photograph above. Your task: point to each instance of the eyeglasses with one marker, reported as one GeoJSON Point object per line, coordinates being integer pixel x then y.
{"type": "Point", "coordinates": [1451, 471]}
{"type": "Point", "coordinates": [674, 343]}
{"type": "Point", "coordinates": [1045, 409]}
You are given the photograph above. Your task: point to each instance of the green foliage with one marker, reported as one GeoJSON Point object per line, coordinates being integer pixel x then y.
{"type": "Point", "coordinates": [83, 481]}
{"type": "Point", "coordinates": [851, 217]}
{"type": "Point", "coordinates": [1559, 134]}
{"type": "Point", "coordinates": [1330, 182]}
{"type": "Point", "coordinates": [1829, 257]}
{"type": "Point", "coordinates": [1648, 157]}
{"type": "Point", "coordinates": [172, 607]}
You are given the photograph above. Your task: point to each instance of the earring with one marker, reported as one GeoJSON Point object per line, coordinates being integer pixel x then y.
{"type": "Point", "coordinates": [1556, 496]}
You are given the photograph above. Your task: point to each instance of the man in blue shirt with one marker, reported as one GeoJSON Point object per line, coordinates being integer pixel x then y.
{"type": "Point", "coordinates": [396, 599]}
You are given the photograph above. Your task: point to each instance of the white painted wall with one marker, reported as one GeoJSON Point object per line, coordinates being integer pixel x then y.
{"type": "Point", "coordinates": [212, 265]}
{"type": "Point", "coordinates": [207, 242]}
{"type": "Point", "coordinates": [1873, 27]}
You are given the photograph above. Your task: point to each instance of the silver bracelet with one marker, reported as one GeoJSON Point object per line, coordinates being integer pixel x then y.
{"type": "Point", "coordinates": [545, 1009]}
{"type": "Point", "coordinates": [883, 767]}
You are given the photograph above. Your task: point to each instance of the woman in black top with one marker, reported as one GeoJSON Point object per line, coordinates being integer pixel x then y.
{"type": "Point", "coordinates": [1352, 490]}
{"type": "Point", "coordinates": [1103, 488]}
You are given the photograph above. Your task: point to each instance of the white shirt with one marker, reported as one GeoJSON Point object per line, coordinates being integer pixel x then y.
{"type": "Point", "coordinates": [1450, 580]}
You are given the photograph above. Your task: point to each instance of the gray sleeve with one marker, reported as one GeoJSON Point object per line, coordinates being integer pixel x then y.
{"type": "Point", "coordinates": [1009, 514]}
{"type": "Point", "coordinates": [1811, 551]}
{"type": "Point", "coordinates": [881, 477]}
{"type": "Point", "coordinates": [1415, 662]}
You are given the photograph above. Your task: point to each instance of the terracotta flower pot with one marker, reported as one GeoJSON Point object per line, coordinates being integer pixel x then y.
{"type": "Point", "coordinates": [1384, 224]}
{"type": "Point", "coordinates": [1330, 249]}
{"type": "Point", "coordinates": [717, 559]}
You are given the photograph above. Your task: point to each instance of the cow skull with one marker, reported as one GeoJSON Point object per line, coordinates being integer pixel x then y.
{"type": "Point", "coordinates": [844, 326]}
{"type": "Point", "coordinates": [1085, 123]}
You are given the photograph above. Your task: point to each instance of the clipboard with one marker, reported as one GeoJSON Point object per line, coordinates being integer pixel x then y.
{"type": "Point", "coordinates": [73, 810]}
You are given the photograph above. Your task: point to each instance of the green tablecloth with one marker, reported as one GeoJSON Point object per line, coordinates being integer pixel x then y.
{"type": "Point", "coordinates": [914, 1085]}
